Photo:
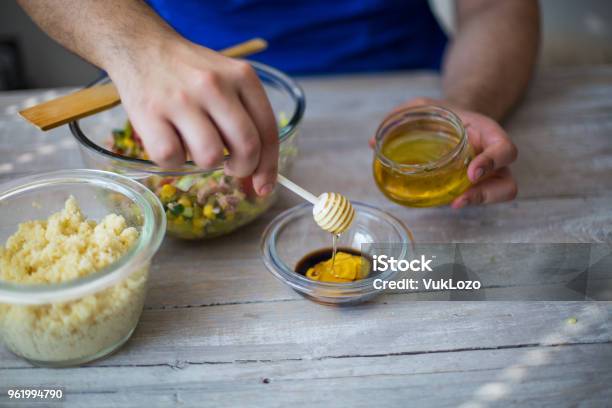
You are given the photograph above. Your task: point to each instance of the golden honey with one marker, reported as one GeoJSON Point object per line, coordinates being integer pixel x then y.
{"type": "Point", "coordinates": [421, 157]}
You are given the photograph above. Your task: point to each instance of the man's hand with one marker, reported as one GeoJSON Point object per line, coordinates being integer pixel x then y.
{"type": "Point", "coordinates": [186, 100]}
{"type": "Point", "coordinates": [489, 171]}
{"type": "Point", "coordinates": [183, 99]}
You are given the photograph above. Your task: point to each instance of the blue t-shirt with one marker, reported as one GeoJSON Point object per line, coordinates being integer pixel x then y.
{"type": "Point", "coordinates": [316, 36]}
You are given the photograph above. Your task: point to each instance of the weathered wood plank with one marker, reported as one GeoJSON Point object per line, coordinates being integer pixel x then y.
{"type": "Point", "coordinates": [304, 330]}
{"type": "Point", "coordinates": [528, 376]}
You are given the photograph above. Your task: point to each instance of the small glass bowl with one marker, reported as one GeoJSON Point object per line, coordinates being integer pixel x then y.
{"type": "Point", "coordinates": [293, 234]}
{"type": "Point", "coordinates": [59, 325]}
{"type": "Point", "coordinates": [231, 202]}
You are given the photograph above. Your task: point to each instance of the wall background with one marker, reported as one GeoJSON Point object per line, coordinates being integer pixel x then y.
{"type": "Point", "coordinates": [45, 63]}
{"type": "Point", "coordinates": [575, 32]}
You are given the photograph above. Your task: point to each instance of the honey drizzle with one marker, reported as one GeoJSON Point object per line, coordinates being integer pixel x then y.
{"type": "Point", "coordinates": [335, 238]}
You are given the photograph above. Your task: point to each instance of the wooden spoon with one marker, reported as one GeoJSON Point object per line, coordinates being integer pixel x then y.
{"type": "Point", "coordinates": [88, 101]}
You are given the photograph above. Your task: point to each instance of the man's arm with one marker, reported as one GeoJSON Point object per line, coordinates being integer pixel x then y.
{"type": "Point", "coordinates": [491, 59]}
{"type": "Point", "coordinates": [485, 72]}
{"type": "Point", "coordinates": [181, 98]}
{"type": "Point", "coordinates": [106, 33]}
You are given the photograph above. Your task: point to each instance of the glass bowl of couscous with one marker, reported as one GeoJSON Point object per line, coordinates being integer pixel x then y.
{"type": "Point", "coordinates": [75, 251]}
{"type": "Point", "coordinates": [198, 204]}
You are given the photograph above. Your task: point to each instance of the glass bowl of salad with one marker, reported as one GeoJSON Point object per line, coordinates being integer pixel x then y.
{"type": "Point", "coordinates": [198, 204]}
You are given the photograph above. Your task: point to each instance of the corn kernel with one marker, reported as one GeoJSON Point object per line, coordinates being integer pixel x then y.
{"type": "Point", "coordinates": [167, 192]}
{"type": "Point", "coordinates": [209, 211]}
{"type": "Point", "coordinates": [185, 201]}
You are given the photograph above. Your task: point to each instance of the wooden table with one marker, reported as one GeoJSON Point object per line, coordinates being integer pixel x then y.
{"type": "Point", "coordinates": [219, 330]}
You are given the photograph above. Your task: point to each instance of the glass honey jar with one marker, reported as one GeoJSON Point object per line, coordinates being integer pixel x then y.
{"type": "Point", "coordinates": [421, 157]}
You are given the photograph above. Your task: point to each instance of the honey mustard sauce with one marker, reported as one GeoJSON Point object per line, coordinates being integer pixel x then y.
{"type": "Point", "coordinates": [347, 265]}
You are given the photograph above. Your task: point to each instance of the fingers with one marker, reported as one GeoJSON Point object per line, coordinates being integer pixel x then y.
{"type": "Point", "coordinates": [197, 101]}
{"type": "Point", "coordinates": [257, 105]}
{"type": "Point", "coordinates": [497, 188]}
{"type": "Point", "coordinates": [372, 142]}
{"type": "Point", "coordinates": [162, 143]}
{"type": "Point", "coordinates": [493, 157]}
{"type": "Point", "coordinates": [235, 126]}
{"type": "Point", "coordinates": [221, 110]}
{"type": "Point", "coordinates": [491, 143]}
{"type": "Point", "coordinates": [200, 137]}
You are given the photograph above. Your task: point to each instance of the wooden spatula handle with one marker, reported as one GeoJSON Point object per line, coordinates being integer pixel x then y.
{"type": "Point", "coordinates": [88, 101]}
{"type": "Point", "coordinates": [246, 48]}
{"type": "Point", "coordinates": [77, 105]}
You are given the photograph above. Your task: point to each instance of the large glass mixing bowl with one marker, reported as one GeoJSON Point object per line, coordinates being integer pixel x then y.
{"type": "Point", "coordinates": [198, 204]}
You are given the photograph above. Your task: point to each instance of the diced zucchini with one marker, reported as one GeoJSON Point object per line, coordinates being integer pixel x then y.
{"type": "Point", "coordinates": [185, 183]}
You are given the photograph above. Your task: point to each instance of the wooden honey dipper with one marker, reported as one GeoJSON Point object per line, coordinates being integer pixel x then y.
{"type": "Point", "coordinates": [333, 212]}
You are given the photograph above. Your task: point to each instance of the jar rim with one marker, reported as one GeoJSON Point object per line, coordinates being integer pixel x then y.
{"type": "Point", "coordinates": [149, 240]}
{"type": "Point", "coordinates": [289, 85]}
{"type": "Point", "coordinates": [432, 112]}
